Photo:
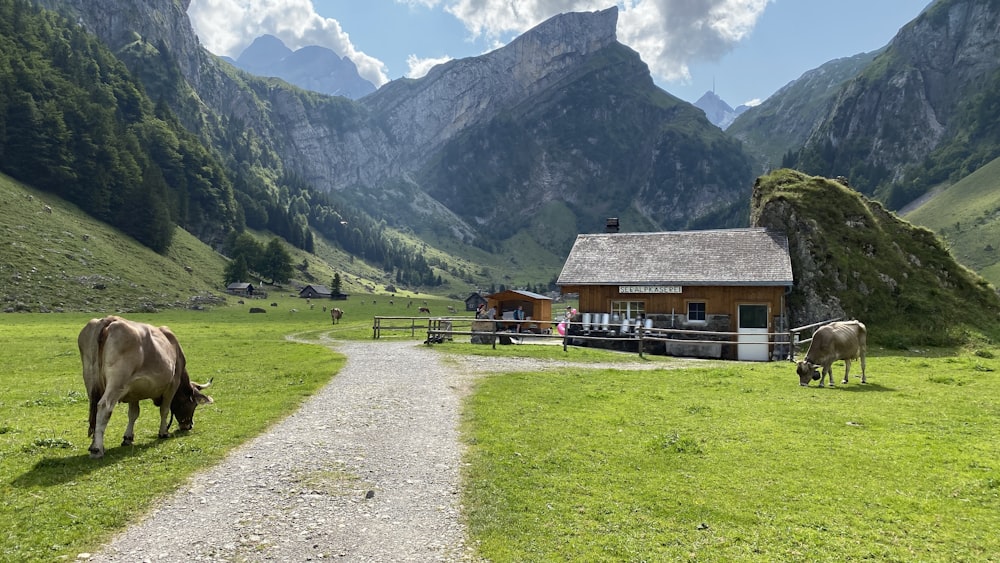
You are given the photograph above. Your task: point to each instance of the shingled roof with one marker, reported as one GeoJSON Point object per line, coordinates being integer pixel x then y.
{"type": "Point", "coordinates": [715, 257]}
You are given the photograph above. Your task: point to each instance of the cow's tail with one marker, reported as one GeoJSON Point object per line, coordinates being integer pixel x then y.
{"type": "Point", "coordinates": [91, 343]}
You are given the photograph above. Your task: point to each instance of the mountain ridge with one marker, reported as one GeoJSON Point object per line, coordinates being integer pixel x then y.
{"type": "Point", "coordinates": [314, 68]}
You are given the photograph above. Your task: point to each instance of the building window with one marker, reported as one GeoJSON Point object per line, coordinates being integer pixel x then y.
{"type": "Point", "coordinates": [628, 309]}
{"type": "Point", "coordinates": [696, 311]}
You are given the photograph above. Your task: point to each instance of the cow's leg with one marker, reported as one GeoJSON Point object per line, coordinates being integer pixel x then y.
{"type": "Point", "coordinates": [133, 414]}
{"type": "Point", "coordinates": [863, 377]}
{"type": "Point", "coordinates": [165, 416]}
{"type": "Point", "coordinates": [104, 409]}
{"type": "Point", "coordinates": [95, 397]}
{"type": "Point", "coordinates": [827, 373]}
{"type": "Point", "coordinates": [847, 371]}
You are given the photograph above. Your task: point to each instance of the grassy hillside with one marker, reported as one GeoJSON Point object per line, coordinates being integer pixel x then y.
{"type": "Point", "coordinates": [54, 257]}
{"type": "Point", "coordinates": [966, 215]}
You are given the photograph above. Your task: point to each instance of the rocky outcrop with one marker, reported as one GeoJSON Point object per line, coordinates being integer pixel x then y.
{"type": "Point", "coordinates": [852, 258]}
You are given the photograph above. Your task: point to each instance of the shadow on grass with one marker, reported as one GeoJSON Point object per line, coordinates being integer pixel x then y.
{"type": "Point", "coordinates": [865, 388]}
{"type": "Point", "coordinates": [59, 470]}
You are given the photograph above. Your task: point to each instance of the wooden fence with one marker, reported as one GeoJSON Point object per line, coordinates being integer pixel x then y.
{"type": "Point", "coordinates": [639, 339]}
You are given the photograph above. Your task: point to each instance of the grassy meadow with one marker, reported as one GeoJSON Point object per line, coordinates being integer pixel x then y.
{"type": "Point", "coordinates": [706, 461]}
{"type": "Point", "coordinates": [57, 502]}
{"type": "Point", "coordinates": [736, 462]}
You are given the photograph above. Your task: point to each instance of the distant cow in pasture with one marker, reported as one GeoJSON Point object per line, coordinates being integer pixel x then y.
{"type": "Point", "coordinates": [274, 304]}
{"type": "Point", "coordinates": [452, 310]}
{"type": "Point", "coordinates": [843, 340]}
{"type": "Point", "coordinates": [424, 310]}
{"type": "Point", "coordinates": [127, 362]}
{"type": "Point", "coordinates": [336, 314]}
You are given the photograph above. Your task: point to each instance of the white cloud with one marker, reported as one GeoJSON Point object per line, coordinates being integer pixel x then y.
{"type": "Point", "coordinates": [227, 27]}
{"type": "Point", "coordinates": [499, 18]}
{"type": "Point", "coordinates": [420, 67]}
{"type": "Point", "coordinates": [668, 34]}
{"type": "Point", "coordinates": [671, 34]}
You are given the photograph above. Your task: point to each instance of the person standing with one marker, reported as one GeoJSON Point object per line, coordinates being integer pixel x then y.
{"type": "Point", "coordinates": [518, 316]}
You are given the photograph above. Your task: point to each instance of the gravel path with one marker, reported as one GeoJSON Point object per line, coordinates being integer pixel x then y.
{"type": "Point", "coordinates": [366, 470]}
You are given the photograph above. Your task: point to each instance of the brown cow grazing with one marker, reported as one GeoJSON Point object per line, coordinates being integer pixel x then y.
{"type": "Point", "coordinates": [335, 315]}
{"type": "Point", "coordinates": [843, 340]}
{"type": "Point", "coordinates": [424, 310]}
{"type": "Point", "coordinates": [126, 362]}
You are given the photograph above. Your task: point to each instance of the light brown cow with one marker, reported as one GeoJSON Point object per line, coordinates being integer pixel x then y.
{"type": "Point", "coordinates": [336, 314]}
{"type": "Point", "coordinates": [844, 340]}
{"type": "Point", "coordinates": [126, 362]}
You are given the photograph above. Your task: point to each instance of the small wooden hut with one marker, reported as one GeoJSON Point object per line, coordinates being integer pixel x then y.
{"type": "Point", "coordinates": [537, 308]}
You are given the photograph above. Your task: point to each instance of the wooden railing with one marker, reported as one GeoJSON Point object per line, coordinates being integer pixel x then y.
{"type": "Point", "coordinates": [441, 329]}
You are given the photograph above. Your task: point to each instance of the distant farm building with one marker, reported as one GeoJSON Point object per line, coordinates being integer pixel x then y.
{"type": "Point", "coordinates": [715, 281]}
{"type": "Point", "coordinates": [314, 291]}
{"type": "Point", "coordinates": [240, 289]}
{"type": "Point", "coordinates": [473, 302]}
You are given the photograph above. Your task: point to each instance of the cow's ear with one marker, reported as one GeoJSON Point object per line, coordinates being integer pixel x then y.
{"type": "Point", "coordinates": [203, 399]}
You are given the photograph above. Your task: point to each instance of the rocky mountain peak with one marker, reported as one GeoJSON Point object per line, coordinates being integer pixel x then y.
{"type": "Point", "coordinates": [717, 110]}
{"type": "Point", "coordinates": [264, 53]}
{"type": "Point", "coordinates": [426, 112]}
{"type": "Point", "coordinates": [312, 67]}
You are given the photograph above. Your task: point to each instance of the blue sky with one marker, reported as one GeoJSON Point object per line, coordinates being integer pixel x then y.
{"type": "Point", "coordinates": [747, 49]}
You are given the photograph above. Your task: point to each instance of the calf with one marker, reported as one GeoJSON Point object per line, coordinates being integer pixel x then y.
{"type": "Point", "coordinates": [844, 340]}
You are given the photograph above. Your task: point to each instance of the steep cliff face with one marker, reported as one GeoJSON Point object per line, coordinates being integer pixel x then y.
{"type": "Point", "coordinates": [421, 115]}
{"type": "Point", "coordinates": [851, 258]}
{"type": "Point", "coordinates": [602, 142]}
{"type": "Point", "coordinates": [120, 24]}
{"type": "Point", "coordinates": [904, 105]}
{"type": "Point", "coordinates": [783, 122]}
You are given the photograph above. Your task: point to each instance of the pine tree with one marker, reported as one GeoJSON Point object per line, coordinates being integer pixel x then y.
{"type": "Point", "coordinates": [277, 263]}
{"type": "Point", "coordinates": [236, 271]}
{"type": "Point", "coordinates": [335, 286]}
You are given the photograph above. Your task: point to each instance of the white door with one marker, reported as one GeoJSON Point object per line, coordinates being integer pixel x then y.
{"type": "Point", "coordinates": [752, 333]}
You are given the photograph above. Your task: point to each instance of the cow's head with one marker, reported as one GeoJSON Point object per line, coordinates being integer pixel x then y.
{"type": "Point", "coordinates": [806, 371]}
{"type": "Point", "coordinates": [186, 400]}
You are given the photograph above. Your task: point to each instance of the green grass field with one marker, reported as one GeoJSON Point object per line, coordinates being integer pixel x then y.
{"type": "Point", "coordinates": [716, 462]}
{"type": "Point", "coordinates": [737, 463]}
{"type": "Point", "coordinates": [56, 500]}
